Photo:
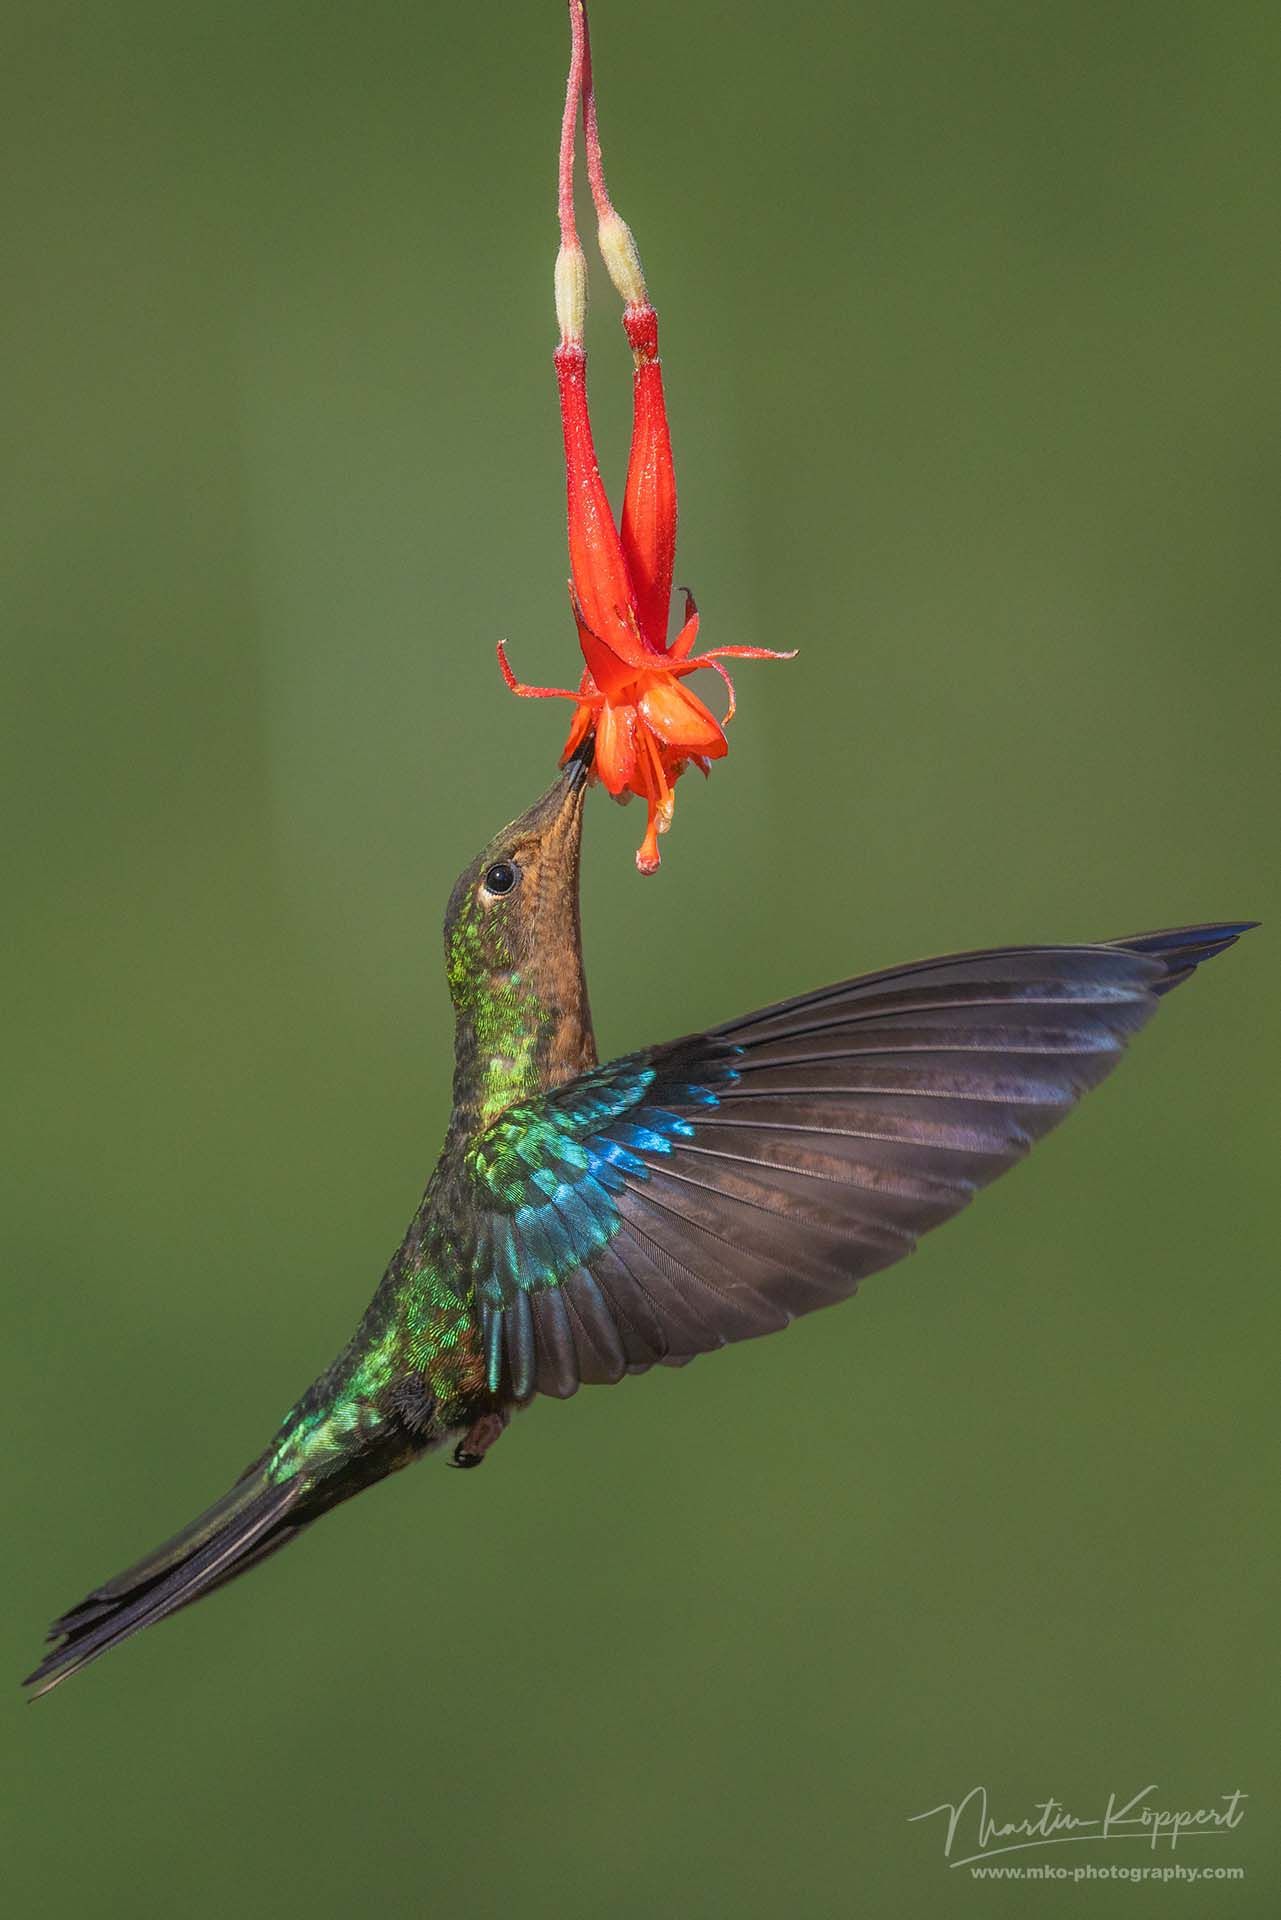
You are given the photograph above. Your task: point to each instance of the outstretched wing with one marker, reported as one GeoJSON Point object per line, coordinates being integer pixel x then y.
{"type": "Point", "coordinates": [715, 1188]}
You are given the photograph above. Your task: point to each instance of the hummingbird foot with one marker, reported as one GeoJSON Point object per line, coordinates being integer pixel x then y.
{"type": "Point", "coordinates": [479, 1438]}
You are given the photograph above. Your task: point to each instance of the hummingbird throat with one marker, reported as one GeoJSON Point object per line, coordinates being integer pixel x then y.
{"type": "Point", "coordinates": [509, 1037]}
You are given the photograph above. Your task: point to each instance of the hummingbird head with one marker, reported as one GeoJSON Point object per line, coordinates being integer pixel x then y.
{"type": "Point", "coordinates": [513, 952]}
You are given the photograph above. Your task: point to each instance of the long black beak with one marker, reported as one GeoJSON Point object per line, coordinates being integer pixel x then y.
{"type": "Point", "coordinates": [579, 762]}
{"type": "Point", "coordinates": [563, 801]}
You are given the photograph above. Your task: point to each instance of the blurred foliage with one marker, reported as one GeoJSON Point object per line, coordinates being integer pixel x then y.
{"type": "Point", "coordinates": [969, 315]}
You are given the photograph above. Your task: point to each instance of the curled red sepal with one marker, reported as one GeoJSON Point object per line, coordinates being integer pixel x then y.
{"type": "Point", "coordinates": [648, 725]}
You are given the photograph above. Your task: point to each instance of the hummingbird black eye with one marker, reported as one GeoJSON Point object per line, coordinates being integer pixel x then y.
{"type": "Point", "coordinates": [501, 877]}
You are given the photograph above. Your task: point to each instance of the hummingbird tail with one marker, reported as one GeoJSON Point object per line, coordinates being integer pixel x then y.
{"type": "Point", "coordinates": [251, 1521]}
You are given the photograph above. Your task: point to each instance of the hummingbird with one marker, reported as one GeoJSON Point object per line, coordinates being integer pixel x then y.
{"type": "Point", "coordinates": [585, 1222]}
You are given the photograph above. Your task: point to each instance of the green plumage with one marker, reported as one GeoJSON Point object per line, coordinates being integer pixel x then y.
{"type": "Point", "coordinates": [585, 1222]}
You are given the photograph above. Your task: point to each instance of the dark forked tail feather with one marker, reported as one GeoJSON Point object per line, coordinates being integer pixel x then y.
{"type": "Point", "coordinates": [251, 1521]}
{"type": "Point", "coordinates": [258, 1515]}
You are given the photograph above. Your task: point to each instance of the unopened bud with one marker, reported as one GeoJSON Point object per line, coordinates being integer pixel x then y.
{"type": "Point", "coordinates": [571, 293]}
{"type": "Point", "coordinates": [622, 262]}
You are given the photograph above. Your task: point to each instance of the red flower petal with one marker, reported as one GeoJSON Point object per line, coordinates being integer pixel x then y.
{"type": "Point", "coordinates": [613, 663]}
{"type": "Point", "coordinates": [582, 720]}
{"type": "Point", "coordinates": [648, 527]}
{"type": "Point", "coordinates": [616, 746]}
{"type": "Point", "coordinates": [680, 720]}
{"type": "Point", "coordinates": [596, 554]}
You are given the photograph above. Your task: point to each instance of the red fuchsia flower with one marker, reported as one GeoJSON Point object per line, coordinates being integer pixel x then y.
{"type": "Point", "coordinates": [648, 724]}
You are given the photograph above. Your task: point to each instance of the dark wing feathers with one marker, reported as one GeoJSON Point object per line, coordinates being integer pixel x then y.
{"type": "Point", "coordinates": [714, 1189]}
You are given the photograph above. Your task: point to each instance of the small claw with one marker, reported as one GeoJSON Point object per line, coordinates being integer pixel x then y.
{"type": "Point", "coordinates": [478, 1439]}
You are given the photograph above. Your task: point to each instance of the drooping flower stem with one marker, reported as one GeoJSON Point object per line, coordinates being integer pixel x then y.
{"type": "Point", "coordinates": [598, 568]}
{"type": "Point", "coordinates": [648, 523]}
{"type": "Point", "coordinates": [571, 262]}
{"type": "Point", "coordinates": [648, 725]}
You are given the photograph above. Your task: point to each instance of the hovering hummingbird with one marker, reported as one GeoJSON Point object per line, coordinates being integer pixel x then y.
{"type": "Point", "coordinates": [585, 1222]}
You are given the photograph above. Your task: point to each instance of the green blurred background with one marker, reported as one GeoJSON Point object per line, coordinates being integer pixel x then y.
{"type": "Point", "coordinates": [970, 324]}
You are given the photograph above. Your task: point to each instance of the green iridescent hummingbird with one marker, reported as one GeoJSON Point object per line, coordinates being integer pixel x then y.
{"type": "Point", "coordinates": [585, 1222]}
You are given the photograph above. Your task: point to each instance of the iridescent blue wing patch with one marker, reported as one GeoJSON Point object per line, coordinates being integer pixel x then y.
{"type": "Point", "coordinates": [714, 1189]}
